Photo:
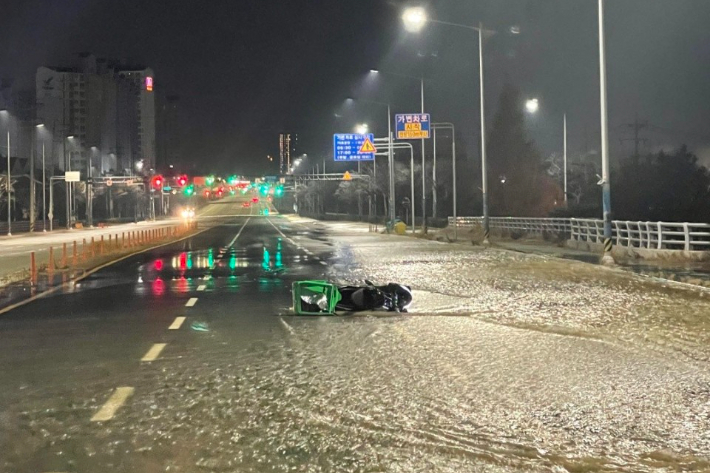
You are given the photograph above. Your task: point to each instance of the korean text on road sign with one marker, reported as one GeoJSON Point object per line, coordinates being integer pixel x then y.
{"type": "Point", "coordinates": [412, 126]}
{"type": "Point", "coordinates": [353, 147]}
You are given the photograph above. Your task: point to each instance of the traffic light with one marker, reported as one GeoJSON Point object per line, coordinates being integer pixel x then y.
{"type": "Point", "coordinates": [189, 190]}
{"type": "Point", "coordinates": [279, 191]}
{"type": "Point", "coordinates": [157, 182]}
{"type": "Point", "coordinates": [182, 180]}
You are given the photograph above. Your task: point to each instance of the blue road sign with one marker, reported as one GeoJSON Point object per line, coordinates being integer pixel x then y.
{"type": "Point", "coordinates": [412, 126]}
{"type": "Point", "coordinates": [353, 147]}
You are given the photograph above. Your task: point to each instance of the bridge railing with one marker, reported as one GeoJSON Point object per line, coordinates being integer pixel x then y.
{"type": "Point", "coordinates": [683, 236]}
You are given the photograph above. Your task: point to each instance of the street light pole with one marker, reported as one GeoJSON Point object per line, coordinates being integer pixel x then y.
{"type": "Point", "coordinates": [448, 126]}
{"type": "Point", "coordinates": [9, 185]}
{"type": "Point", "coordinates": [424, 227]}
{"type": "Point", "coordinates": [44, 192]}
{"type": "Point", "coordinates": [564, 156]}
{"type": "Point", "coordinates": [606, 185]}
{"type": "Point", "coordinates": [67, 189]}
{"type": "Point", "coordinates": [484, 171]}
{"type": "Point", "coordinates": [33, 200]}
{"type": "Point", "coordinates": [414, 20]}
{"type": "Point", "coordinates": [391, 163]}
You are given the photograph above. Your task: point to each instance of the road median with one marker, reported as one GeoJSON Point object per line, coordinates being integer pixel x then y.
{"type": "Point", "coordinates": [71, 261]}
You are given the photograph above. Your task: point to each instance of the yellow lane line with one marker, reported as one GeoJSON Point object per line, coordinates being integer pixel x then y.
{"type": "Point", "coordinates": [154, 352]}
{"type": "Point", "coordinates": [117, 399]}
{"type": "Point", "coordinates": [177, 323]}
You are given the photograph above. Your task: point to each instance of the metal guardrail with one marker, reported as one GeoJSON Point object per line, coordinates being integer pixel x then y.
{"type": "Point", "coordinates": [23, 226]}
{"type": "Point", "coordinates": [682, 236]}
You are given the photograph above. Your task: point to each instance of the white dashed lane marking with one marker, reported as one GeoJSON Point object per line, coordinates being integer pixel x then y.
{"type": "Point", "coordinates": [177, 323]}
{"type": "Point", "coordinates": [201, 287]}
{"type": "Point", "coordinates": [191, 302]}
{"type": "Point", "coordinates": [154, 352]}
{"type": "Point", "coordinates": [117, 399]}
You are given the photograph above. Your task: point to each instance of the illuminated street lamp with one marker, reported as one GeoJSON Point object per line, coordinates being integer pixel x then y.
{"type": "Point", "coordinates": [532, 105]}
{"type": "Point", "coordinates": [362, 128]}
{"type": "Point", "coordinates": [415, 18]}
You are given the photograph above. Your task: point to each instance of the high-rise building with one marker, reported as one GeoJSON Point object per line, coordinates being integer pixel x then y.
{"type": "Point", "coordinates": [287, 149]}
{"type": "Point", "coordinates": [100, 115]}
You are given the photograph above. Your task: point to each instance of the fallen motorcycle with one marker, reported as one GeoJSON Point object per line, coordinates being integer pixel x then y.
{"type": "Point", "coordinates": [324, 298]}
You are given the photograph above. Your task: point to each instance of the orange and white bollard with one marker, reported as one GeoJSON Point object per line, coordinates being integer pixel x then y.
{"type": "Point", "coordinates": [50, 265]}
{"type": "Point", "coordinates": [33, 269]}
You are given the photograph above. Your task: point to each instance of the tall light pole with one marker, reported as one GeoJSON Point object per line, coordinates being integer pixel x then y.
{"type": "Point", "coordinates": [421, 88]}
{"type": "Point", "coordinates": [436, 126]}
{"type": "Point", "coordinates": [390, 152]}
{"type": "Point", "coordinates": [68, 185]}
{"type": "Point", "coordinates": [606, 185]}
{"type": "Point", "coordinates": [9, 185]}
{"type": "Point", "coordinates": [41, 127]}
{"type": "Point", "coordinates": [564, 155]}
{"type": "Point", "coordinates": [532, 107]}
{"type": "Point", "coordinates": [415, 18]}
{"type": "Point", "coordinates": [6, 114]}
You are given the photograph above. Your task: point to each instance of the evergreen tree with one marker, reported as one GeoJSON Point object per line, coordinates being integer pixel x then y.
{"type": "Point", "coordinates": [515, 166]}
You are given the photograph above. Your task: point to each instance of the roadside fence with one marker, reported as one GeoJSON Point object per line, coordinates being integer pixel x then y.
{"type": "Point", "coordinates": [682, 236]}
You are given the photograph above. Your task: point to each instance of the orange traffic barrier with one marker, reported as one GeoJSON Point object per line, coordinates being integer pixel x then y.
{"type": "Point", "coordinates": [50, 265]}
{"type": "Point", "coordinates": [33, 269]}
{"type": "Point", "coordinates": [64, 255]}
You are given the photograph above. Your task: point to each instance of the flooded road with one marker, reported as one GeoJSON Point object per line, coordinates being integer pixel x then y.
{"type": "Point", "coordinates": [508, 362]}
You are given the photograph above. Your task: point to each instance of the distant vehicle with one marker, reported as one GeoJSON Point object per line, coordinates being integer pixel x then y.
{"type": "Point", "coordinates": [246, 204]}
{"type": "Point", "coordinates": [255, 199]}
{"type": "Point", "coordinates": [188, 213]}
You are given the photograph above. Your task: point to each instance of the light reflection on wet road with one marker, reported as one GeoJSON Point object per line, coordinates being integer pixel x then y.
{"type": "Point", "coordinates": [508, 363]}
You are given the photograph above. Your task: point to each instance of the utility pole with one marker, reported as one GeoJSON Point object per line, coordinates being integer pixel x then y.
{"type": "Point", "coordinates": [637, 126]}
{"type": "Point", "coordinates": [606, 185]}
{"type": "Point", "coordinates": [33, 202]}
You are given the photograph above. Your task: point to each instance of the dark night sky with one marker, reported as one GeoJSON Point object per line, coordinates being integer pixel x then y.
{"type": "Point", "coordinates": [247, 69]}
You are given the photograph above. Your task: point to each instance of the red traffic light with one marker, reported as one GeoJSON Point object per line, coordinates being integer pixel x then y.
{"type": "Point", "coordinates": [182, 180]}
{"type": "Point", "coordinates": [157, 181]}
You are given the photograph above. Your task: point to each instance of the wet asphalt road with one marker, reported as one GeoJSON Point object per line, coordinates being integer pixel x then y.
{"type": "Point", "coordinates": [508, 363]}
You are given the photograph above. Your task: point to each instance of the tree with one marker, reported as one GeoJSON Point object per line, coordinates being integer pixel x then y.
{"type": "Point", "coordinates": [515, 176]}
{"type": "Point", "coordinates": [670, 187]}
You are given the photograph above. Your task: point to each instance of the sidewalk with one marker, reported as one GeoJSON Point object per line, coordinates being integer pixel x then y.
{"type": "Point", "coordinates": [15, 250]}
{"type": "Point", "coordinates": [689, 272]}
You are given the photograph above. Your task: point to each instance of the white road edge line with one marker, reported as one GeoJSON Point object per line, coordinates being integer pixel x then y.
{"type": "Point", "coordinates": [280, 232]}
{"type": "Point", "coordinates": [177, 323]}
{"type": "Point", "coordinates": [191, 302]}
{"type": "Point", "coordinates": [201, 287]}
{"type": "Point", "coordinates": [324, 263]}
{"type": "Point", "coordinates": [154, 352]}
{"type": "Point", "coordinates": [238, 233]}
{"type": "Point", "coordinates": [117, 399]}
